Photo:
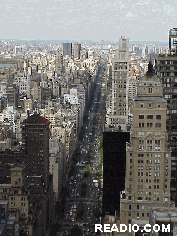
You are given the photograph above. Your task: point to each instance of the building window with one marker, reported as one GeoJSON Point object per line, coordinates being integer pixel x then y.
{"type": "Point", "coordinates": [149, 145]}
{"type": "Point", "coordinates": [150, 90]}
{"type": "Point", "coordinates": [141, 116]}
{"type": "Point", "coordinates": [129, 214]}
{"type": "Point", "coordinates": [130, 160]}
{"type": "Point", "coordinates": [141, 141]}
{"type": "Point", "coordinates": [149, 125]}
{"type": "Point", "coordinates": [149, 116]}
{"type": "Point", "coordinates": [141, 125]}
{"type": "Point", "coordinates": [158, 116]}
{"type": "Point", "coordinates": [157, 145]}
{"type": "Point", "coordinates": [130, 207]}
{"type": "Point", "coordinates": [149, 142]}
{"type": "Point", "coordinates": [137, 207]}
{"type": "Point", "coordinates": [157, 142]}
{"type": "Point", "coordinates": [158, 125]}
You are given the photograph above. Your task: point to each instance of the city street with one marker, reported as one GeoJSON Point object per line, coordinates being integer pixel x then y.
{"type": "Point", "coordinates": [89, 147]}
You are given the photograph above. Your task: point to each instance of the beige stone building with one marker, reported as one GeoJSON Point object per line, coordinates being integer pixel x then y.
{"type": "Point", "coordinates": [118, 106]}
{"type": "Point", "coordinates": [18, 200]}
{"type": "Point", "coordinates": [148, 162]}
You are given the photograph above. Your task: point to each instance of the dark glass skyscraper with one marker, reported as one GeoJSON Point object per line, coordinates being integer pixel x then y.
{"type": "Point", "coordinates": [166, 69]}
{"type": "Point", "coordinates": [114, 166]}
{"type": "Point", "coordinates": [67, 49]}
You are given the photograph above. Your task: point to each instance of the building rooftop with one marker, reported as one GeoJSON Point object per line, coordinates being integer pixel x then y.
{"type": "Point", "coordinates": [150, 74]}
{"type": "Point", "coordinates": [140, 222]}
{"type": "Point", "coordinates": [36, 118]}
{"type": "Point", "coordinates": [2, 202]}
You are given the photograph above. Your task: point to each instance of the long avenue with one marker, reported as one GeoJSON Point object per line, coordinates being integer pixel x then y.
{"type": "Point", "coordinates": [89, 148]}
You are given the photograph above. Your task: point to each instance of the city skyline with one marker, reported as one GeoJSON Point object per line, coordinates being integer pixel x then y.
{"type": "Point", "coordinates": [87, 135]}
{"type": "Point", "coordinates": [93, 20]}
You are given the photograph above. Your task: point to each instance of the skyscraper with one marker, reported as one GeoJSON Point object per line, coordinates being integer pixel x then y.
{"type": "Point", "coordinates": [118, 114]}
{"type": "Point", "coordinates": [67, 49]}
{"type": "Point", "coordinates": [59, 62]}
{"type": "Point", "coordinates": [148, 165]}
{"type": "Point", "coordinates": [166, 69]}
{"type": "Point", "coordinates": [114, 165]}
{"type": "Point", "coordinates": [77, 49]}
{"type": "Point", "coordinates": [35, 141]}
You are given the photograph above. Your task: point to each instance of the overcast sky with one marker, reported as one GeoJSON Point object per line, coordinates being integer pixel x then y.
{"type": "Point", "coordinates": [87, 19]}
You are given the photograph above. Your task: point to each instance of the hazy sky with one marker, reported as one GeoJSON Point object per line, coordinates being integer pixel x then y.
{"type": "Point", "coordinates": [87, 19]}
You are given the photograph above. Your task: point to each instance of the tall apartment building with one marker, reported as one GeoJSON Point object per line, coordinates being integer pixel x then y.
{"type": "Point", "coordinates": [67, 49]}
{"type": "Point", "coordinates": [118, 114]}
{"type": "Point", "coordinates": [35, 141]}
{"type": "Point", "coordinates": [148, 164]}
{"type": "Point", "coordinates": [166, 69]}
{"type": "Point", "coordinates": [59, 61]}
{"type": "Point", "coordinates": [77, 49]}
